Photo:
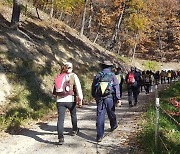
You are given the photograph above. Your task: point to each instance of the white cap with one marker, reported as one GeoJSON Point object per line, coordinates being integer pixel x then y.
{"type": "Point", "coordinates": [68, 64]}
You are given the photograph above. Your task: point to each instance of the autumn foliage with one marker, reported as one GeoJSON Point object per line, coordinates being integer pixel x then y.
{"type": "Point", "coordinates": [148, 29]}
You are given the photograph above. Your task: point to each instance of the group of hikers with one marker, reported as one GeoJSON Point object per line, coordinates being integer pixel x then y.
{"type": "Point", "coordinates": [106, 88]}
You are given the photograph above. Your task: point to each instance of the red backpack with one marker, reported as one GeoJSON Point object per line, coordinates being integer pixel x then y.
{"type": "Point", "coordinates": [63, 85]}
{"type": "Point", "coordinates": [131, 78]}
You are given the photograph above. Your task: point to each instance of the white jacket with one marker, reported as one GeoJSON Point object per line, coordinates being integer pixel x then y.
{"type": "Point", "coordinates": [70, 98]}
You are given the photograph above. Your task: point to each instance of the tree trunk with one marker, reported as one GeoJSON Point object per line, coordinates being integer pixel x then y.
{"type": "Point", "coordinates": [119, 47]}
{"type": "Point", "coordinates": [84, 17]}
{"type": "Point", "coordinates": [160, 47]}
{"type": "Point", "coordinates": [52, 8]}
{"type": "Point", "coordinates": [91, 13]}
{"type": "Point", "coordinates": [117, 27]}
{"type": "Point", "coordinates": [97, 34]}
{"type": "Point", "coordinates": [134, 49]}
{"type": "Point", "coordinates": [15, 13]}
{"type": "Point", "coordinates": [61, 14]}
{"type": "Point", "coordinates": [37, 13]}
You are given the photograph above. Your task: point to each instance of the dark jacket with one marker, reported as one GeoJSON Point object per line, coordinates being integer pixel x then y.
{"type": "Point", "coordinates": [137, 77]}
{"type": "Point", "coordinates": [115, 84]}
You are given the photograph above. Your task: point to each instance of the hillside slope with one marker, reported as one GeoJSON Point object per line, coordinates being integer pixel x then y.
{"type": "Point", "coordinates": [31, 57]}
{"type": "Point", "coordinates": [40, 46]}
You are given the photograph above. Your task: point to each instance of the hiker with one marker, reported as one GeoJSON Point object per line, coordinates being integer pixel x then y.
{"type": "Point", "coordinates": [169, 76]}
{"type": "Point", "coordinates": [138, 78]}
{"type": "Point", "coordinates": [105, 89]}
{"type": "Point", "coordinates": [152, 81]}
{"type": "Point", "coordinates": [133, 84]}
{"type": "Point", "coordinates": [148, 81]}
{"type": "Point", "coordinates": [68, 96]}
{"type": "Point", "coordinates": [142, 80]}
{"type": "Point", "coordinates": [120, 77]}
{"type": "Point", "coordinates": [163, 76]}
{"type": "Point", "coordinates": [157, 77]}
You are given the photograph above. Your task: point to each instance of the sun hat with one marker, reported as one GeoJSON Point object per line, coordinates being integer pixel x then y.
{"type": "Point", "coordinates": [107, 63]}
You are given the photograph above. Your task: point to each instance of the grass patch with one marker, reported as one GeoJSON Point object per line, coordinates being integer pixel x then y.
{"type": "Point", "coordinates": [124, 59]}
{"type": "Point", "coordinates": [168, 129]}
{"type": "Point", "coordinates": [28, 100]}
{"type": "Point", "coordinates": [31, 97]}
{"type": "Point", "coordinates": [7, 2]}
{"type": "Point", "coordinates": [151, 65]}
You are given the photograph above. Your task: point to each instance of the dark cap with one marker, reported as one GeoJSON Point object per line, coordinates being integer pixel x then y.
{"type": "Point", "coordinates": [132, 69]}
{"type": "Point", "coordinates": [107, 63]}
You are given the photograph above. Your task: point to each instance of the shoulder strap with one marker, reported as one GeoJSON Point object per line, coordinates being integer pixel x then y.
{"type": "Point", "coordinates": [72, 81]}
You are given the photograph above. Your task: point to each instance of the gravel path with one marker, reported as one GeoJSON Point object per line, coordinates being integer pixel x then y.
{"type": "Point", "coordinates": [42, 137]}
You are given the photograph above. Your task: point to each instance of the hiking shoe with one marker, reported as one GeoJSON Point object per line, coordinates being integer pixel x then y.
{"type": "Point", "coordinates": [130, 105]}
{"type": "Point", "coordinates": [112, 129]}
{"type": "Point", "coordinates": [135, 103]}
{"type": "Point", "coordinates": [75, 132]}
{"type": "Point", "coordinates": [99, 139]}
{"type": "Point", "coordinates": [61, 140]}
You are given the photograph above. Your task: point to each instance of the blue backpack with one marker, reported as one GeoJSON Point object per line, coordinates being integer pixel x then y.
{"type": "Point", "coordinates": [104, 85]}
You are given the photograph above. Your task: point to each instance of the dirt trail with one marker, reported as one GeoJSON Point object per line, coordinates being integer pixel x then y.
{"type": "Point", "coordinates": [42, 137]}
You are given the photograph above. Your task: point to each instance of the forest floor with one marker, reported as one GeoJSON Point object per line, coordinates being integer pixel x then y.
{"type": "Point", "coordinates": [42, 137]}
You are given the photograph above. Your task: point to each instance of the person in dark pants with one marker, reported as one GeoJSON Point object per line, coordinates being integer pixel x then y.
{"type": "Point", "coordinates": [148, 82]}
{"type": "Point", "coordinates": [71, 106]}
{"type": "Point", "coordinates": [133, 84]}
{"type": "Point", "coordinates": [138, 78]}
{"type": "Point", "coordinates": [69, 101]}
{"type": "Point", "coordinates": [106, 98]}
{"type": "Point", "coordinates": [120, 77]}
{"type": "Point", "coordinates": [157, 77]}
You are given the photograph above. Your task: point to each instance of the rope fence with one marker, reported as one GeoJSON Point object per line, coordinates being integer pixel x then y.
{"type": "Point", "coordinates": [164, 111]}
{"type": "Point", "coordinates": [158, 109]}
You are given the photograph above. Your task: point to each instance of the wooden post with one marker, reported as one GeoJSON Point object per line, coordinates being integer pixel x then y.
{"type": "Point", "coordinates": [157, 119]}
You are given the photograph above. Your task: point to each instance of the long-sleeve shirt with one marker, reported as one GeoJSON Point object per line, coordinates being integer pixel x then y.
{"type": "Point", "coordinates": [70, 98]}
{"type": "Point", "coordinates": [137, 77]}
{"type": "Point", "coordinates": [115, 84]}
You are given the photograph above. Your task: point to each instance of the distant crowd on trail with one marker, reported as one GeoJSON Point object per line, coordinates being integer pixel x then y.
{"type": "Point", "coordinates": [144, 80]}
{"type": "Point", "coordinates": [149, 78]}
{"type": "Point", "coordinates": [106, 89]}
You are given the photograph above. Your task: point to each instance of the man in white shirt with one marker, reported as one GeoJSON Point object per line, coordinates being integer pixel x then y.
{"type": "Point", "coordinates": [68, 101]}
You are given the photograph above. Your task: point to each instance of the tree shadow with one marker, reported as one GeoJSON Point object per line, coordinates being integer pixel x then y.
{"type": "Point", "coordinates": [45, 129]}
{"type": "Point", "coordinates": [31, 56]}
{"type": "Point", "coordinates": [35, 135]}
{"type": "Point", "coordinates": [3, 22]}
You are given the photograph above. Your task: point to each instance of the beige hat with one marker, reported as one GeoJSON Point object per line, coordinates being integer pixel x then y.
{"type": "Point", "coordinates": [107, 63]}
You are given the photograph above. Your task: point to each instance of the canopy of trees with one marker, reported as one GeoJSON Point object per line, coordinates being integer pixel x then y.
{"type": "Point", "coordinates": [142, 27]}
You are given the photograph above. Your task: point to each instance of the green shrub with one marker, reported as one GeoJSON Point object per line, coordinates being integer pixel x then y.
{"type": "Point", "coordinates": [168, 129]}
{"type": "Point", "coordinates": [151, 65]}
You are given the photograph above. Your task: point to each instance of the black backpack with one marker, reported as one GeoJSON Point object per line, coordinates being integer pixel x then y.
{"type": "Point", "coordinates": [104, 85]}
